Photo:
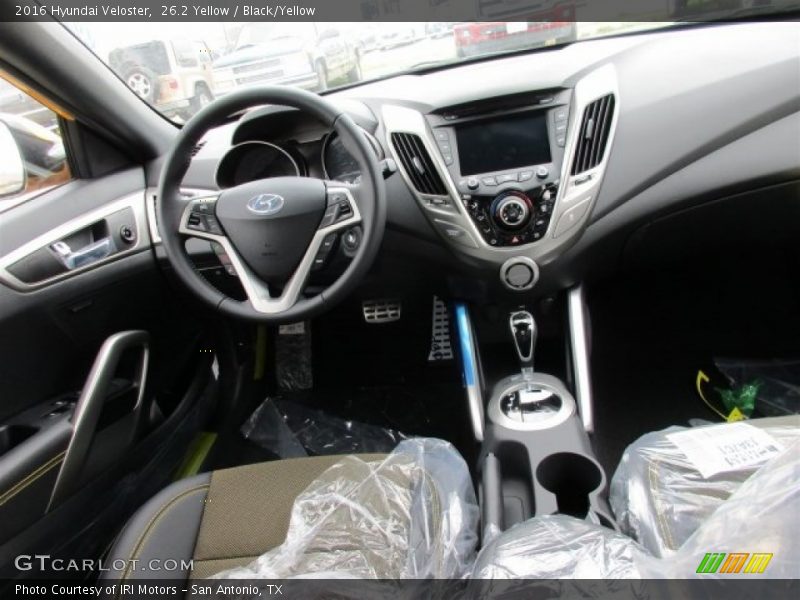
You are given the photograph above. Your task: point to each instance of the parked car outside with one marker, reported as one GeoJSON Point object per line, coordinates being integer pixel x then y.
{"type": "Point", "coordinates": [174, 75]}
{"type": "Point", "coordinates": [294, 54]}
{"type": "Point", "coordinates": [475, 39]}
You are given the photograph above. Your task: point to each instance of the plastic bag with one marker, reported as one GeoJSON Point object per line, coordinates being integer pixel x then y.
{"type": "Point", "coordinates": [775, 383]}
{"type": "Point", "coordinates": [660, 498]}
{"type": "Point", "coordinates": [289, 430]}
{"type": "Point", "coordinates": [558, 546]}
{"type": "Point", "coordinates": [762, 517]}
{"type": "Point", "coordinates": [412, 515]}
{"type": "Point", "coordinates": [757, 525]}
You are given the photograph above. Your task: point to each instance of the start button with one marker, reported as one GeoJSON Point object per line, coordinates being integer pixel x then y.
{"type": "Point", "coordinates": [519, 273]}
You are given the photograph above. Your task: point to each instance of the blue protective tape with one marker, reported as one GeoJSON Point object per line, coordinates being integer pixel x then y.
{"type": "Point", "coordinates": [465, 342]}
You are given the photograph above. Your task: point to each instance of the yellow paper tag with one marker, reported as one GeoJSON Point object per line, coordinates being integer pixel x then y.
{"type": "Point", "coordinates": [736, 415]}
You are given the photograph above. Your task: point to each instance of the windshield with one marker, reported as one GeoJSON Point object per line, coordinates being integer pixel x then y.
{"type": "Point", "coordinates": [178, 72]}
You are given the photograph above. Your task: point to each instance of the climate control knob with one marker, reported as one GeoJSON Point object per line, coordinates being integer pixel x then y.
{"type": "Point", "coordinates": [512, 210]}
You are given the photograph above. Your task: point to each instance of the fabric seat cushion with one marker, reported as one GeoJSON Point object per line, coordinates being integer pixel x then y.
{"type": "Point", "coordinates": [219, 520]}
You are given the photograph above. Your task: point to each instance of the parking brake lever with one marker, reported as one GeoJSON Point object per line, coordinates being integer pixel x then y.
{"type": "Point", "coordinates": [524, 333]}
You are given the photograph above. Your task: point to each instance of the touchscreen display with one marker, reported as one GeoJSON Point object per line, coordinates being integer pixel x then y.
{"type": "Point", "coordinates": [504, 143]}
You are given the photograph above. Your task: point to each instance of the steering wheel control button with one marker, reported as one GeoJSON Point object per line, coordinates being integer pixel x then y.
{"type": "Point", "coordinates": [212, 225]}
{"type": "Point", "coordinates": [571, 218]}
{"type": "Point", "coordinates": [328, 242]}
{"type": "Point", "coordinates": [338, 209]}
{"type": "Point", "coordinates": [519, 273]}
{"type": "Point", "coordinates": [456, 234]}
{"type": "Point", "coordinates": [351, 240]}
{"type": "Point", "coordinates": [196, 222]}
{"type": "Point", "coordinates": [319, 262]}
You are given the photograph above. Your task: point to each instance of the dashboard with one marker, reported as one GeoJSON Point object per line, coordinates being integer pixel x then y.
{"type": "Point", "coordinates": [518, 165]}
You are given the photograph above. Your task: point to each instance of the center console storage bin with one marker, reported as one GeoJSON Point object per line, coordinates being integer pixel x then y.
{"type": "Point", "coordinates": [533, 473]}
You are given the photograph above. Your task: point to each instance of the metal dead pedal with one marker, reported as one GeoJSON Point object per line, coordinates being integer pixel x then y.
{"type": "Point", "coordinates": [381, 311]}
{"type": "Point", "coordinates": [441, 348]}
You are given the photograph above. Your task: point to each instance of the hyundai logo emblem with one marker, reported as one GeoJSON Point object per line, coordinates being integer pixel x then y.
{"type": "Point", "coordinates": [265, 204]}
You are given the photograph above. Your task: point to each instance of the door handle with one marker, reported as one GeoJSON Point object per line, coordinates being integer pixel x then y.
{"type": "Point", "coordinates": [74, 259]}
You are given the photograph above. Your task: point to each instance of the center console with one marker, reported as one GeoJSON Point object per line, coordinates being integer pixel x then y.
{"type": "Point", "coordinates": [505, 163]}
{"type": "Point", "coordinates": [536, 456]}
{"type": "Point", "coordinates": [509, 181]}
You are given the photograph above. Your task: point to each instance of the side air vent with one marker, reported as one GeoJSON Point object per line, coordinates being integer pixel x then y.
{"type": "Point", "coordinates": [593, 134]}
{"type": "Point", "coordinates": [418, 164]}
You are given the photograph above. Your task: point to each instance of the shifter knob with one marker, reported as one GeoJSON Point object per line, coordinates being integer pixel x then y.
{"type": "Point", "coordinates": [524, 333]}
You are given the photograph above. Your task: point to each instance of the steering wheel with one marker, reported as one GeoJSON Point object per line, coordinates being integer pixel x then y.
{"type": "Point", "coordinates": [273, 229]}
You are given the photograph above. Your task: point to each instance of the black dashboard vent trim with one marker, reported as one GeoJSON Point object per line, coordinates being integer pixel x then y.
{"type": "Point", "coordinates": [593, 134]}
{"type": "Point", "coordinates": [418, 164]}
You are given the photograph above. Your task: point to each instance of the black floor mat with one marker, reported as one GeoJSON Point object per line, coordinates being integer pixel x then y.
{"type": "Point", "coordinates": [380, 374]}
{"type": "Point", "coordinates": [375, 374]}
{"type": "Point", "coordinates": [653, 331]}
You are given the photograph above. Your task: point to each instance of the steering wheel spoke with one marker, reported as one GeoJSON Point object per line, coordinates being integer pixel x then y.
{"type": "Point", "coordinates": [342, 212]}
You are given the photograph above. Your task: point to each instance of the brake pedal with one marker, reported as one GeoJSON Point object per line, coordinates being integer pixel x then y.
{"type": "Point", "coordinates": [381, 311]}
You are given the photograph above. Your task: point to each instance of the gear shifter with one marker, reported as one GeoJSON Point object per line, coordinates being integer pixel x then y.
{"type": "Point", "coordinates": [524, 332]}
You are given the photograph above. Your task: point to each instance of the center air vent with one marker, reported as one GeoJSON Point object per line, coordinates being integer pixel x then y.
{"type": "Point", "coordinates": [593, 134]}
{"type": "Point", "coordinates": [418, 164]}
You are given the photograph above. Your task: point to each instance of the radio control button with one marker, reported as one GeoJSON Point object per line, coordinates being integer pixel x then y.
{"type": "Point", "coordinates": [472, 183]}
{"type": "Point", "coordinates": [442, 135]}
{"type": "Point", "coordinates": [561, 114]}
{"type": "Point", "coordinates": [506, 177]}
{"type": "Point", "coordinates": [542, 172]}
{"type": "Point", "coordinates": [525, 175]}
{"type": "Point", "coordinates": [491, 181]}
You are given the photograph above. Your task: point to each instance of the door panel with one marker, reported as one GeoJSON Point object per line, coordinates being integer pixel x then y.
{"type": "Point", "coordinates": [54, 324]}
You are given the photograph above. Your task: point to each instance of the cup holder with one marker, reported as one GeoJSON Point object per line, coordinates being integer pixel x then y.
{"type": "Point", "coordinates": [571, 478]}
{"type": "Point", "coordinates": [12, 436]}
